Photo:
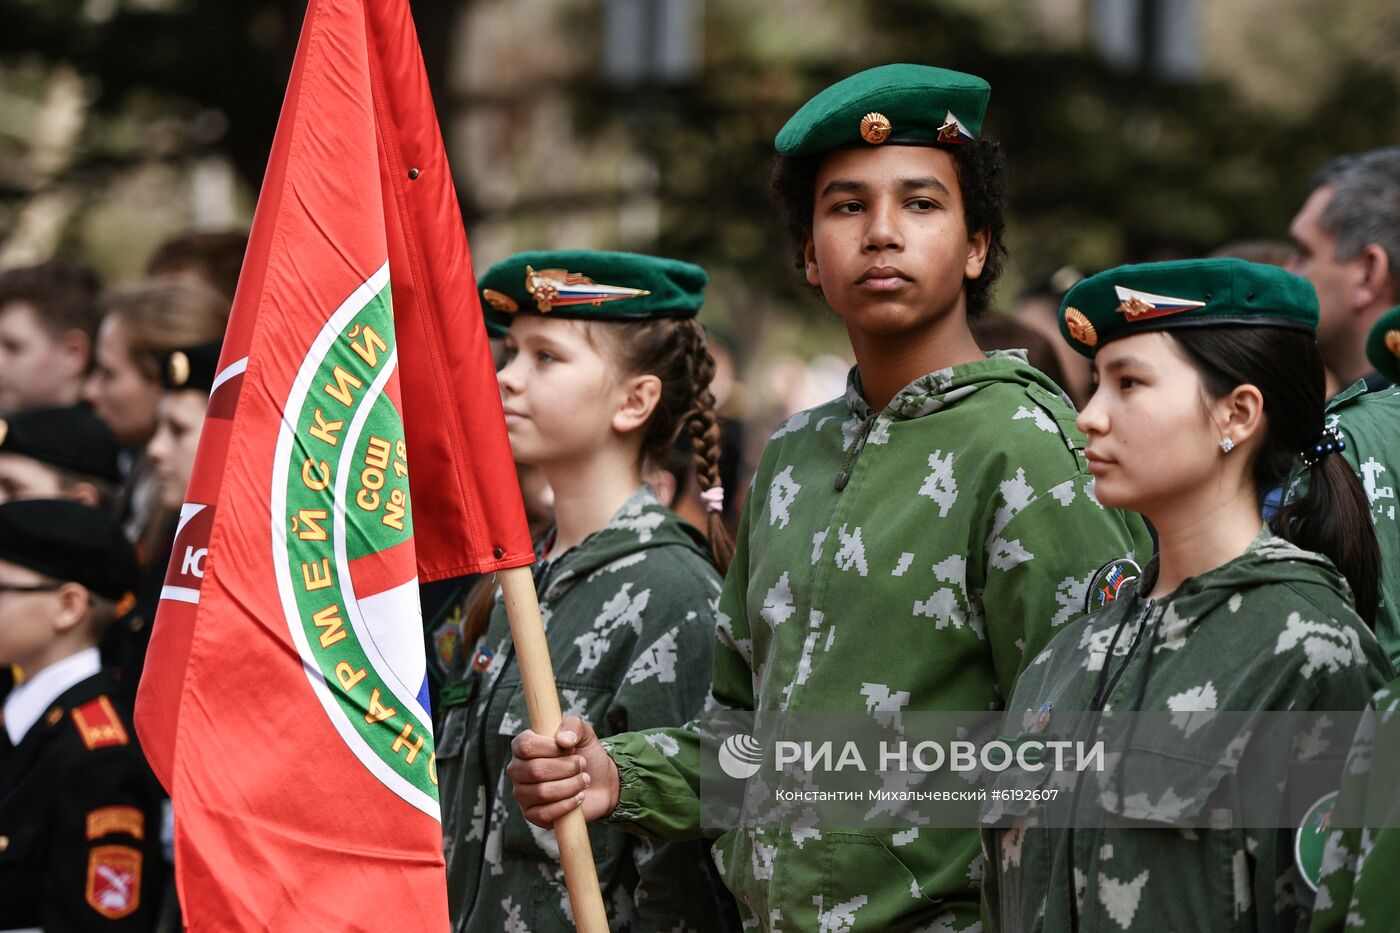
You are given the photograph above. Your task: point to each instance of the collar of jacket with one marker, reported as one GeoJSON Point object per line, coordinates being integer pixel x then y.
{"type": "Point", "coordinates": [942, 388]}
{"type": "Point", "coordinates": [641, 523]}
{"type": "Point", "coordinates": [1268, 560]}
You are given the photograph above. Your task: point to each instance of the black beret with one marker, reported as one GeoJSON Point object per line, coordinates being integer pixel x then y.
{"type": "Point", "coordinates": [192, 367]}
{"type": "Point", "coordinates": [69, 437]}
{"type": "Point", "coordinates": [69, 541]}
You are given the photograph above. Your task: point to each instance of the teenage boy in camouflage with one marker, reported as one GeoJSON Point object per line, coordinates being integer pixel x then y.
{"type": "Point", "coordinates": [908, 546]}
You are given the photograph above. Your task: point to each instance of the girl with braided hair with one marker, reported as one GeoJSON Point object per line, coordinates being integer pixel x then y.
{"type": "Point", "coordinates": [605, 369]}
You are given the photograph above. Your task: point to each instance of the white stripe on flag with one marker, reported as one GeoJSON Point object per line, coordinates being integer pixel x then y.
{"type": "Point", "coordinates": [183, 594]}
{"type": "Point", "coordinates": [231, 370]}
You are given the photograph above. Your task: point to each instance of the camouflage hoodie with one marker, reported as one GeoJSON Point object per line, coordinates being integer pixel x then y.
{"type": "Point", "coordinates": [1360, 864]}
{"type": "Point", "coordinates": [1273, 629]}
{"type": "Point", "coordinates": [909, 558]}
{"type": "Point", "coordinates": [629, 616]}
{"type": "Point", "coordinates": [1370, 421]}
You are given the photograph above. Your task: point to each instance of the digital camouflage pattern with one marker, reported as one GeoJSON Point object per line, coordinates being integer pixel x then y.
{"type": "Point", "coordinates": [965, 535]}
{"type": "Point", "coordinates": [1370, 423]}
{"type": "Point", "coordinates": [1273, 629]}
{"type": "Point", "coordinates": [630, 619]}
{"type": "Point", "coordinates": [1360, 866]}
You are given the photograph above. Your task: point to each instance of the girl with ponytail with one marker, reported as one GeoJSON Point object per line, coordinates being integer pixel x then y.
{"type": "Point", "coordinates": [605, 369]}
{"type": "Point", "coordinates": [1209, 394]}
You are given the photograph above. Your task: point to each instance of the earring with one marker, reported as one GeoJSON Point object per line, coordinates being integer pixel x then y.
{"type": "Point", "coordinates": [1227, 445]}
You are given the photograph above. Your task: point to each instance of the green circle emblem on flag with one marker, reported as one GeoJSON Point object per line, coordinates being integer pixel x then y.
{"type": "Point", "coordinates": [342, 533]}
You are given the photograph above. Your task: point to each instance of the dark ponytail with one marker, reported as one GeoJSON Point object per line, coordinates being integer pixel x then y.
{"type": "Point", "coordinates": [1327, 511]}
{"type": "Point", "coordinates": [675, 351]}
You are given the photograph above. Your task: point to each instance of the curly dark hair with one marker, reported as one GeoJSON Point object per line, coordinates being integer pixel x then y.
{"type": "Point", "coordinates": [981, 176]}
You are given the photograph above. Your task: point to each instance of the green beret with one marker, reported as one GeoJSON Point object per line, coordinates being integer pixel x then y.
{"type": "Point", "coordinates": [69, 542]}
{"type": "Point", "coordinates": [901, 105]}
{"type": "Point", "coordinates": [590, 285]}
{"type": "Point", "coordinates": [1184, 293]}
{"type": "Point", "coordinates": [68, 437]}
{"type": "Point", "coordinates": [1383, 345]}
{"type": "Point", "coordinates": [192, 367]}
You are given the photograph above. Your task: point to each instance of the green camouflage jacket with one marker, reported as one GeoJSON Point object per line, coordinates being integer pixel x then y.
{"type": "Point", "coordinates": [1273, 629]}
{"type": "Point", "coordinates": [1370, 422]}
{"type": "Point", "coordinates": [1358, 889]}
{"type": "Point", "coordinates": [904, 559]}
{"type": "Point", "coordinates": [630, 619]}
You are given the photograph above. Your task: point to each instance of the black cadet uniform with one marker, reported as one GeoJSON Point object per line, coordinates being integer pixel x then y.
{"type": "Point", "coordinates": [79, 808]}
{"type": "Point", "coordinates": [71, 438]}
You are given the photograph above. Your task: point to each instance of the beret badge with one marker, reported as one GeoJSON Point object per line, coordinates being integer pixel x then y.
{"type": "Point", "coordinates": [551, 287]}
{"type": "Point", "coordinates": [179, 368]}
{"type": "Point", "coordinates": [1392, 343]}
{"type": "Point", "coordinates": [953, 130]}
{"type": "Point", "coordinates": [1080, 327]}
{"type": "Point", "coordinates": [875, 128]}
{"type": "Point", "coordinates": [1136, 305]}
{"type": "Point", "coordinates": [500, 301]}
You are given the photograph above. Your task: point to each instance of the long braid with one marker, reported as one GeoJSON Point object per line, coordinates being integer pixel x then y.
{"type": "Point", "coordinates": [703, 423]}
{"type": "Point", "coordinates": [676, 352]}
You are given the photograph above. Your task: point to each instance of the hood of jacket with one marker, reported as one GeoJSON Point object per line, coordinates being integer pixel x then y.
{"type": "Point", "coordinates": [1269, 560]}
{"type": "Point", "coordinates": [942, 388]}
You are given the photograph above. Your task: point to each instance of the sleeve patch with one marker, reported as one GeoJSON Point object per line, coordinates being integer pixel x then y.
{"type": "Point", "coordinates": [99, 725]}
{"type": "Point", "coordinates": [105, 821]}
{"type": "Point", "coordinates": [114, 881]}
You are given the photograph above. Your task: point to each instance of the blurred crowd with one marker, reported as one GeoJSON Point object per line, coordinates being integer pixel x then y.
{"type": "Point", "coordinates": [95, 412]}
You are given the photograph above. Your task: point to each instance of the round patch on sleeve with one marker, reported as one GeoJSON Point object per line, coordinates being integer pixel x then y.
{"type": "Point", "coordinates": [1311, 839]}
{"type": "Point", "coordinates": [1108, 580]}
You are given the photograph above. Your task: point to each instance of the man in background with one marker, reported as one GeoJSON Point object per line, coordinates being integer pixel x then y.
{"type": "Point", "coordinates": [1347, 237]}
{"type": "Point", "coordinates": [48, 322]}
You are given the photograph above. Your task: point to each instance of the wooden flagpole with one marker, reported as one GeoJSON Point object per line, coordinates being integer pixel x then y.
{"type": "Point", "coordinates": [542, 697]}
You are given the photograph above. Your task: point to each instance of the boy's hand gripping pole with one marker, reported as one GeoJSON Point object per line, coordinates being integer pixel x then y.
{"type": "Point", "coordinates": [542, 697]}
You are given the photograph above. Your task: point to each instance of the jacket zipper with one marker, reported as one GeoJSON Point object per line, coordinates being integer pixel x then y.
{"type": "Point", "coordinates": [1097, 705]}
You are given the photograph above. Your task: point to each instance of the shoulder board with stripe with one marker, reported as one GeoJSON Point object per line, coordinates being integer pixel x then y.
{"type": "Point", "coordinates": [99, 725]}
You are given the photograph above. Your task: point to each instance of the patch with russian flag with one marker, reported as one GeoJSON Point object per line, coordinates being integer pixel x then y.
{"type": "Point", "coordinates": [1139, 306]}
{"type": "Point", "coordinates": [1108, 580]}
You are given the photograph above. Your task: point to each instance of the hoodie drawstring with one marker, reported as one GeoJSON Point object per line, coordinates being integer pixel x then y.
{"type": "Point", "coordinates": [849, 464]}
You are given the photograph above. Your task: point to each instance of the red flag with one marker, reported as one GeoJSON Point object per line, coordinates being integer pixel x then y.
{"type": "Point", "coordinates": [284, 701]}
